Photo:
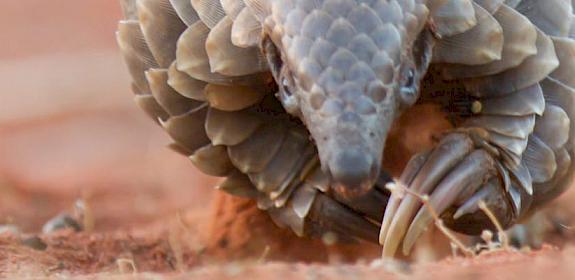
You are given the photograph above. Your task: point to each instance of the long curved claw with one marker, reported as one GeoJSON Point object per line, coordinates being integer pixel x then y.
{"type": "Point", "coordinates": [460, 184]}
{"type": "Point", "coordinates": [411, 169]}
{"type": "Point", "coordinates": [472, 204]}
{"type": "Point", "coordinates": [450, 151]}
{"type": "Point", "coordinates": [470, 219]}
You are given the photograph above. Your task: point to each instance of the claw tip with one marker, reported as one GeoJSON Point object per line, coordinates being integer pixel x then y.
{"type": "Point", "coordinates": [458, 214]}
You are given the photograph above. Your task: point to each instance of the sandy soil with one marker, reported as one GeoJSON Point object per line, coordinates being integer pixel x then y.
{"type": "Point", "coordinates": [72, 141]}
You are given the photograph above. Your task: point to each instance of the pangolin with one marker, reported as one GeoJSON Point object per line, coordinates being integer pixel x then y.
{"type": "Point", "coordinates": [292, 102]}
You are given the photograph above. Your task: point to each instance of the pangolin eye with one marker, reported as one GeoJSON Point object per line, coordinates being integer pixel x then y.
{"type": "Point", "coordinates": [409, 78]}
{"type": "Point", "coordinates": [285, 86]}
{"type": "Point", "coordinates": [273, 57]}
{"type": "Point", "coordinates": [285, 94]}
{"type": "Point", "coordinates": [409, 89]}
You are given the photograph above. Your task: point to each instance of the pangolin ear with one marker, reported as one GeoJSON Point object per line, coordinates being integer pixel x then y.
{"type": "Point", "coordinates": [413, 73]}
{"type": "Point", "coordinates": [273, 56]}
{"type": "Point", "coordinates": [423, 51]}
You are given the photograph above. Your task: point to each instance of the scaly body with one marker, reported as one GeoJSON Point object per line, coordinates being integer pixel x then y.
{"type": "Point", "coordinates": [293, 101]}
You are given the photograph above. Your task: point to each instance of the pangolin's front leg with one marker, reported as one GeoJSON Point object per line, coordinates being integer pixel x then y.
{"type": "Point", "coordinates": [451, 174]}
{"type": "Point", "coordinates": [512, 152]}
{"type": "Point", "coordinates": [512, 145]}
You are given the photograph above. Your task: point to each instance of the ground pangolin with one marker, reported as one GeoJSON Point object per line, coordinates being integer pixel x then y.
{"type": "Point", "coordinates": [292, 102]}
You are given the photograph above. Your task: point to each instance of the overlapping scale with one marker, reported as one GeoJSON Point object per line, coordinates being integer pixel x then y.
{"type": "Point", "coordinates": [481, 44]}
{"type": "Point", "coordinates": [490, 6]}
{"type": "Point", "coordinates": [523, 102]}
{"type": "Point", "coordinates": [553, 127]}
{"type": "Point", "coordinates": [186, 85]}
{"type": "Point", "coordinates": [562, 96]}
{"type": "Point", "coordinates": [254, 154]}
{"type": "Point", "coordinates": [185, 11]}
{"type": "Point", "coordinates": [540, 160]}
{"type": "Point", "coordinates": [454, 17]}
{"type": "Point", "coordinates": [161, 28]}
{"type": "Point", "coordinates": [293, 154]}
{"type": "Point", "coordinates": [533, 69]}
{"type": "Point", "coordinates": [232, 98]}
{"type": "Point", "coordinates": [512, 126]}
{"type": "Point", "coordinates": [552, 16]}
{"type": "Point", "coordinates": [519, 43]}
{"type": "Point", "coordinates": [137, 55]}
{"type": "Point", "coordinates": [246, 30]}
{"type": "Point", "coordinates": [149, 104]}
{"type": "Point", "coordinates": [238, 184]}
{"type": "Point", "coordinates": [565, 50]}
{"type": "Point", "coordinates": [210, 12]}
{"type": "Point", "coordinates": [213, 160]}
{"type": "Point", "coordinates": [172, 102]}
{"type": "Point", "coordinates": [228, 59]}
{"type": "Point", "coordinates": [232, 8]}
{"type": "Point", "coordinates": [188, 129]}
{"type": "Point", "coordinates": [231, 128]}
{"type": "Point", "coordinates": [192, 58]}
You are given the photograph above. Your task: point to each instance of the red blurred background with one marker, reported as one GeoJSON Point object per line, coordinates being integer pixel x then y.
{"type": "Point", "coordinates": [69, 128]}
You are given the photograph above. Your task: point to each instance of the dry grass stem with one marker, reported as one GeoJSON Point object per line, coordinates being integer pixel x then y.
{"type": "Point", "coordinates": [126, 266]}
{"type": "Point", "coordinates": [437, 220]}
{"type": "Point", "coordinates": [503, 238]}
{"type": "Point", "coordinates": [176, 247]}
{"type": "Point", "coordinates": [262, 259]}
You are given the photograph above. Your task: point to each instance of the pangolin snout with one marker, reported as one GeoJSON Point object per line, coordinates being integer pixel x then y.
{"type": "Point", "coordinates": [351, 149]}
{"type": "Point", "coordinates": [354, 172]}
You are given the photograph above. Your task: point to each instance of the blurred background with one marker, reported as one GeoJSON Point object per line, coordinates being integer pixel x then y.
{"type": "Point", "coordinates": [69, 128]}
{"type": "Point", "coordinates": [70, 131]}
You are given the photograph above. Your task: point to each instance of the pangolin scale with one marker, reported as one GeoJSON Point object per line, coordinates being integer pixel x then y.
{"type": "Point", "coordinates": [292, 102]}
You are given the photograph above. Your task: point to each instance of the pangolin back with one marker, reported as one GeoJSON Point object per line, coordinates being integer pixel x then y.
{"type": "Point", "coordinates": [199, 71]}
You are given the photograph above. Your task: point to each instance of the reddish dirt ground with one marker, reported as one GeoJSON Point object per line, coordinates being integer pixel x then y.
{"type": "Point", "coordinates": [69, 134]}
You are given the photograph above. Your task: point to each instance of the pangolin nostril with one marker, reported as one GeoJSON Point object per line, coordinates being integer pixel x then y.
{"type": "Point", "coordinates": [353, 170]}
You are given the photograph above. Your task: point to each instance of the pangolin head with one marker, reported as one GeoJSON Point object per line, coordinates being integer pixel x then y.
{"type": "Point", "coordinates": [347, 68]}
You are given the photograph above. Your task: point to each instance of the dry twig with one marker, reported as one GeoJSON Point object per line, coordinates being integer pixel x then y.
{"type": "Point", "coordinates": [126, 266]}
{"type": "Point", "coordinates": [437, 220]}
{"type": "Point", "coordinates": [503, 238]}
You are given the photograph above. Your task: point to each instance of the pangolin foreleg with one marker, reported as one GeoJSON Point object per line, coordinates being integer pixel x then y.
{"type": "Point", "coordinates": [458, 172]}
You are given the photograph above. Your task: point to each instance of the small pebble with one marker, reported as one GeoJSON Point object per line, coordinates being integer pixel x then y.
{"type": "Point", "coordinates": [391, 265]}
{"type": "Point", "coordinates": [60, 222]}
{"type": "Point", "coordinates": [329, 238]}
{"type": "Point", "coordinates": [35, 243]}
{"type": "Point", "coordinates": [487, 236]}
{"type": "Point", "coordinates": [476, 107]}
{"type": "Point", "coordinates": [10, 229]}
{"type": "Point", "coordinates": [233, 269]}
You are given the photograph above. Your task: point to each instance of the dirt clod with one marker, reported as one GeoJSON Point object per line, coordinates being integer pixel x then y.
{"type": "Point", "coordinates": [61, 222]}
{"type": "Point", "coordinates": [35, 243]}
